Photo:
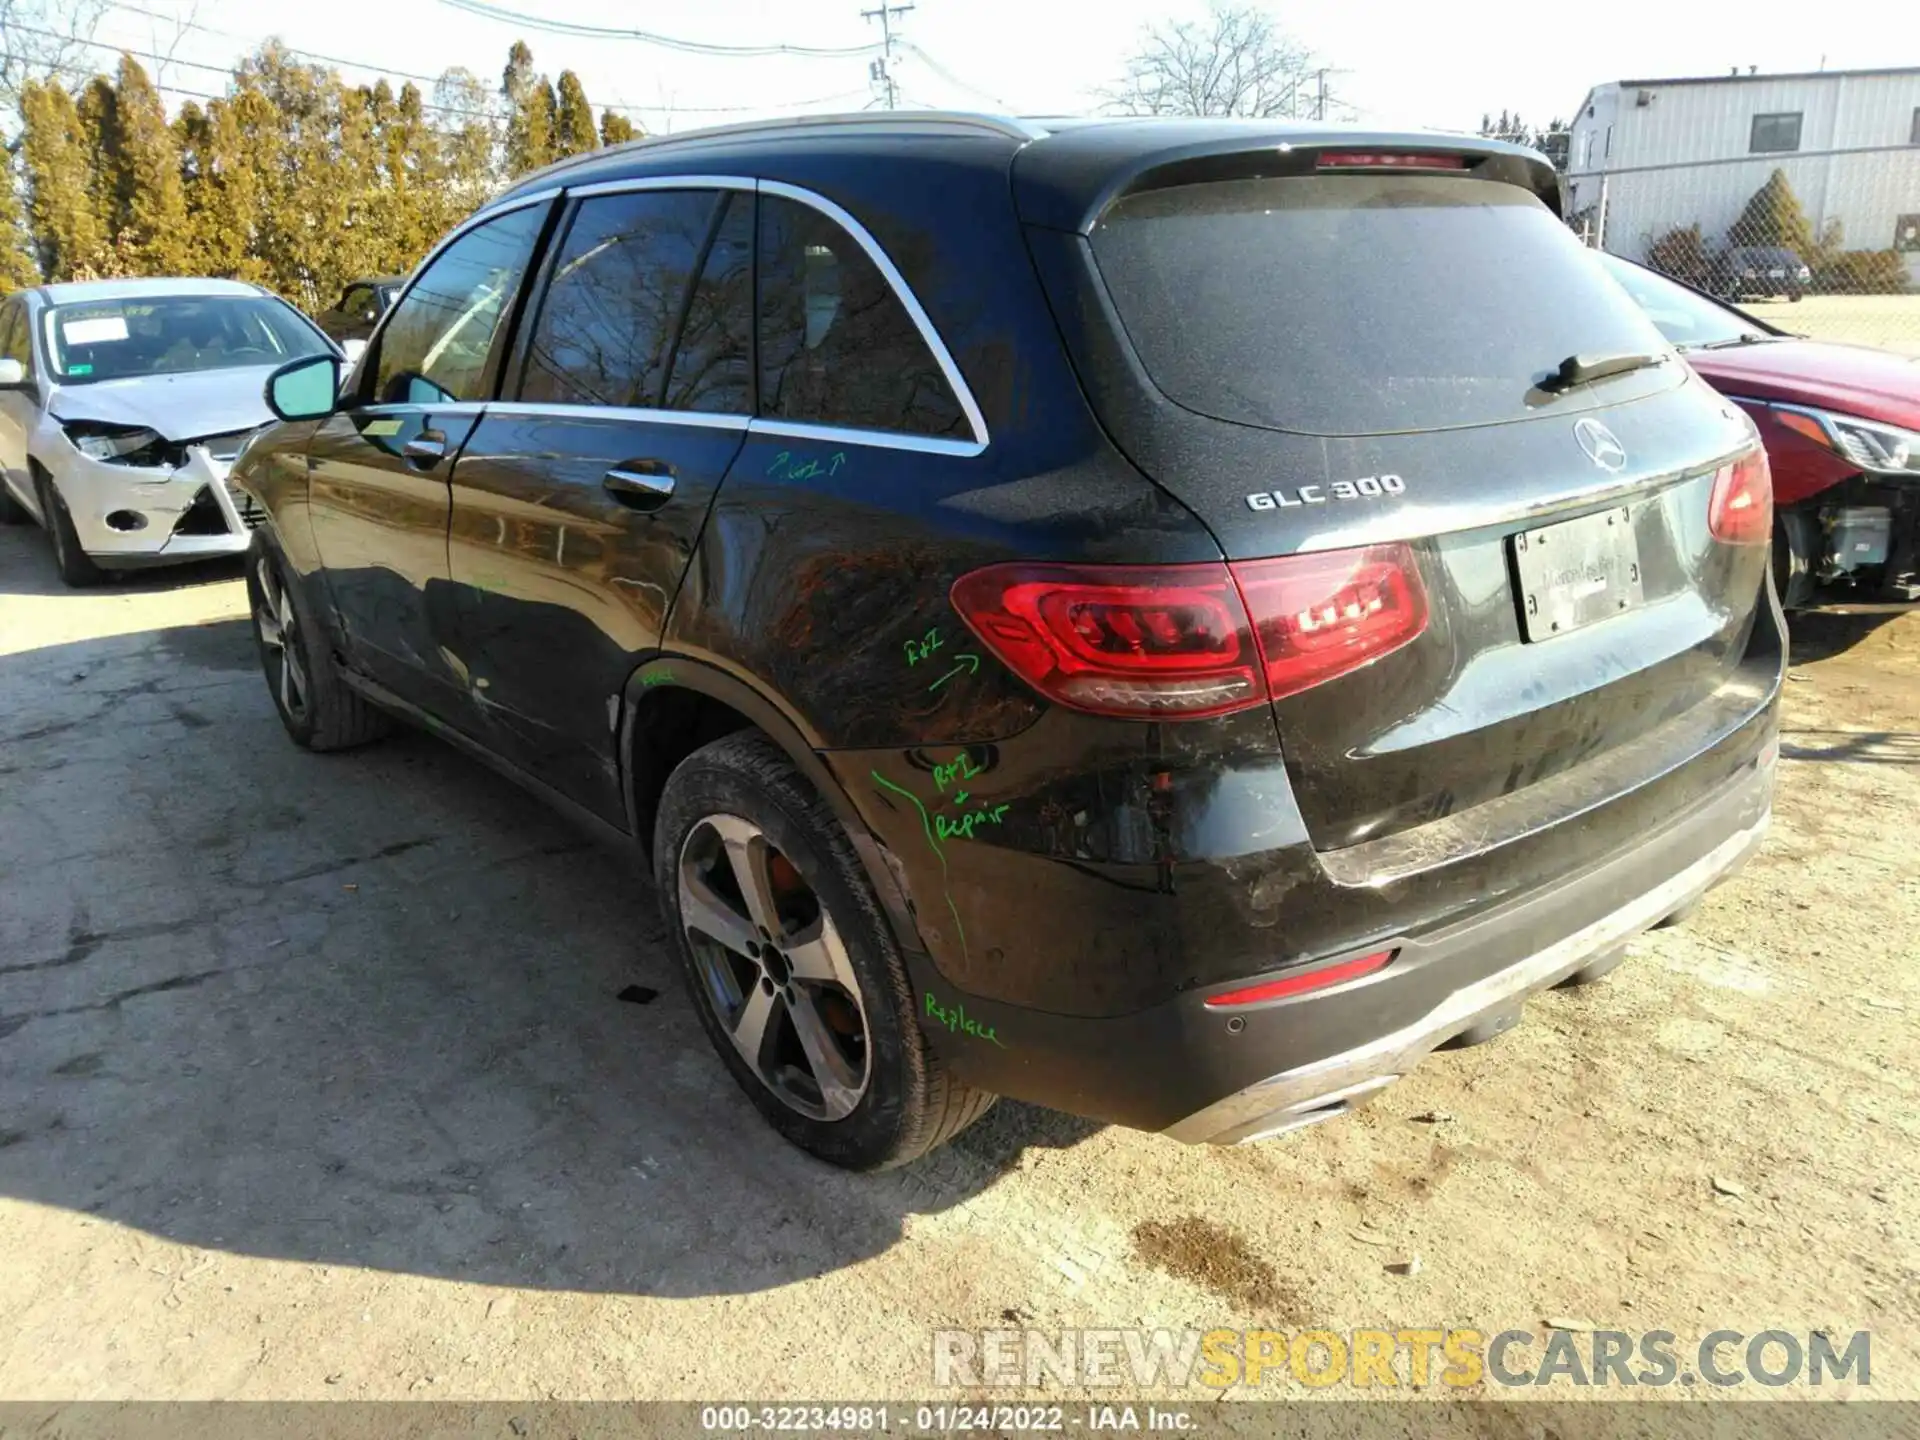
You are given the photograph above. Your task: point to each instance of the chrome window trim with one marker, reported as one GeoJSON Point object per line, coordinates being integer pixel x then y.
{"type": "Point", "coordinates": [902, 291]}
{"type": "Point", "coordinates": [843, 435]}
{"type": "Point", "coordinates": [709, 419]}
{"type": "Point", "coordinates": [663, 182]}
{"type": "Point", "coordinates": [929, 336]}
{"type": "Point", "coordinates": [392, 407]}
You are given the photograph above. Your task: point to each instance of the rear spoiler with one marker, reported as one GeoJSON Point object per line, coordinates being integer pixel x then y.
{"type": "Point", "coordinates": [1054, 190]}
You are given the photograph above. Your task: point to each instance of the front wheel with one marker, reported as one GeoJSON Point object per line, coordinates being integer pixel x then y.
{"type": "Point", "coordinates": [319, 709]}
{"type": "Point", "coordinates": [75, 565]}
{"type": "Point", "coordinates": [791, 965]}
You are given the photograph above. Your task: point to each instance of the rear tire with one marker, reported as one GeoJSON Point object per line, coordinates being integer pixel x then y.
{"type": "Point", "coordinates": [319, 709]}
{"type": "Point", "coordinates": [791, 965]}
{"type": "Point", "coordinates": [75, 565]}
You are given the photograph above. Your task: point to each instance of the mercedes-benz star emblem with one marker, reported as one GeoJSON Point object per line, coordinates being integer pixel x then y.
{"type": "Point", "coordinates": [1601, 447]}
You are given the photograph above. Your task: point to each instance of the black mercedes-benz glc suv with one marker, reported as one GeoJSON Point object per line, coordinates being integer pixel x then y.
{"type": "Point", "coordinates": [1172, 620]}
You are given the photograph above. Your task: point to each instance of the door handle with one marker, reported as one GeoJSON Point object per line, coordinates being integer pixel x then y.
{"type": "Point", "coordinates": [425, 450]}
{"type": "Point", "coordinates": [642, 484]}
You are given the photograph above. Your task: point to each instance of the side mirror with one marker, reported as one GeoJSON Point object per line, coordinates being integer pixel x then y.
{"type": "Point", "coordinates": [12, 374]}
{"type": "Point", "coordinates": [306, 389]}
{"type": "Point", "coordinates": [353, 349]}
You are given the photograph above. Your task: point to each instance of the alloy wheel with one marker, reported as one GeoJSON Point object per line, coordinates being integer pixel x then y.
{"type": "Point", "coordinates": [273, 617]}
{"type": "Point", "coordinates": [774, 968]}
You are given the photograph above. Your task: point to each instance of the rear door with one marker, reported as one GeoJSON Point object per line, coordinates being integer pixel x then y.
{"type": "Point", "coordinates": [579, 498]}
{"type": "Point", "coordinates": [1350, 371]}
{"type": "Point", "coordinates": [378, 484]}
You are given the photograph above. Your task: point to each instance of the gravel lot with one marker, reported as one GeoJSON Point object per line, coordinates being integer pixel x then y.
{"type": "Point", "coordinates": [314, 1083]}
{"type": "Point", "coordinates": [1890, 321]}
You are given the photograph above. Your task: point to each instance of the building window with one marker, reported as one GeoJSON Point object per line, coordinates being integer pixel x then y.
{"type": "Point", "coordinates": [1774, 133]}
{"type": "Point", "coordinates": [1913, 136]}
{"type": "Point", "coordinates": [1586, 148]}
{"type": "Point", "coordinates": [1609, 150]}
{"type": "Point", "coordinates": [1906, 234]}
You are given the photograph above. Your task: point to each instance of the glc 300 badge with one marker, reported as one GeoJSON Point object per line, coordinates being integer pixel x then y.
{"type": "Point", "coordinates": [1367, 487]}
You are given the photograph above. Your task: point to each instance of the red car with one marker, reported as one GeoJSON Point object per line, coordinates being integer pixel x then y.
{"type": "Point", "coordinates": [1841, 425]}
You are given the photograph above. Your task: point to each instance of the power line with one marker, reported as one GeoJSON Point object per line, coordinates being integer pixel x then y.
{"type": "Point", "coordinates": [647, 37]}
{"type": "Point", "coordinates": [882, 69]}
{"type": "Point", "coordinates": [946, 74]}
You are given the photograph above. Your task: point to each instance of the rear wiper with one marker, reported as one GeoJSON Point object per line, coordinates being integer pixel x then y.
{"type": "Point", "coordinates": [1578, 369]}
{"type": "Point", "coordinates": [1750, 337]}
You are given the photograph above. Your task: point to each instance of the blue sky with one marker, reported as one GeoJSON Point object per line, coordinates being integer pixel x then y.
{"type": "Point", "coordinates": [1437, 63]}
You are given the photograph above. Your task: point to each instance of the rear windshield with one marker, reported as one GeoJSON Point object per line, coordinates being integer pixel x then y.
{"type": "Point", "coordinates": [172, 335]}
{"type": "Point", "coordinates": [1358, 304]}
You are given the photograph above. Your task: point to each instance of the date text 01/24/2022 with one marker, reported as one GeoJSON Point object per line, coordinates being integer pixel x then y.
{"type": "Point", "coordinates": [939, 1419]}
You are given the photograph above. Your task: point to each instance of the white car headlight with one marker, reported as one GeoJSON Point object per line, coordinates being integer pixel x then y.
{"type": "Point", "coordinates": [1877, 448]}
{"type": "Point", "coordinates": [109, 442]}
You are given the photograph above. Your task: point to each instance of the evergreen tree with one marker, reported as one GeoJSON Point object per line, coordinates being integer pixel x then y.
{"type": "Point", "coordinates": [151, 196]}
{"type": "Point", "coordinates": [467, 136]}
{"type": "Point", "coordinates": [1774, 217]}
{"type": "Point", "coordinates": [98, 108]}
{"type": "Point", "coordinates": [56, 152]}
{"type": "Point", "coordinates": [573, 128]}
{"type": "Point", "coordinates": [531, 111]}
{"type": "Point", "coordinates": [616, 129]}
{"type": "Point", "coordinates": [17, 267]}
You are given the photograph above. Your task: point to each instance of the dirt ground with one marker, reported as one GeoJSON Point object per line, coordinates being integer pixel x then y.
{"type": "Point", "coordinates": [1889, 321]}
{"type": "Point", "coordinates": [314, 1084]}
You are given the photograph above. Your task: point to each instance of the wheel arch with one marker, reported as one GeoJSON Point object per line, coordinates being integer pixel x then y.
{"type": "Point", "coordinates": [673, 704]}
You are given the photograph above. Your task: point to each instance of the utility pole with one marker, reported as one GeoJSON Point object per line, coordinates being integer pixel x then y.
{"type": "Point", "coordinates": [881, 71]}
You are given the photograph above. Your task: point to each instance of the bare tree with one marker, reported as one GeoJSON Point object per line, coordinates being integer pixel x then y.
{"type": "Point", "coordinates": [39, 38]}
{"type": "Point", "coordinates": [1236, 62]}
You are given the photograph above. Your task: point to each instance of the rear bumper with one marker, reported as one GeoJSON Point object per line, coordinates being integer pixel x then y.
{"type": "Point", "coordinates": [1323, 1088]}
{"type": "Point", "coordinates": [1230, 1075]}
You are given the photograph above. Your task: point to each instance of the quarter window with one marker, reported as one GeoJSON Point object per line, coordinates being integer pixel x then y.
{"type": "Point", "coordinates": [836, 345]}
{"type": "Point", "coordinates": [1775, 133]}
{"type": "Point", "coordinates": [435, 348]}
{"type": "Point", "coordinates": [607, 322]}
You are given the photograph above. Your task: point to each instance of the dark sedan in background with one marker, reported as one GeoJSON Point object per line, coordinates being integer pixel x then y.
{"type": "Point", "coordinates": [359, 308]}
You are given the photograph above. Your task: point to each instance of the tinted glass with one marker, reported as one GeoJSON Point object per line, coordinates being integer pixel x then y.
{"type": "Point", "coordinates": [618, 286]}
{"type": "Point", "coordinates": [711, 367]}
{"type": "Point", "coordinates": [836, 345]}
{"type": "Point", "coordinates": [1357, 304]}
{"type": "Point", "coordinates": [1775, 132]}
{"type": "Point", "coordinates": [173, 335]}
{"type": "Point", "coordinates": [357, 303]}
{"type": "Point", "coordinates": [1685, 318]}
{"type": "Point", "coordinates": [434, 350]}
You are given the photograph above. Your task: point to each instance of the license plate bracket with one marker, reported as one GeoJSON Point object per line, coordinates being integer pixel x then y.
{"type": "Point", "coordinates": [1576, 573]}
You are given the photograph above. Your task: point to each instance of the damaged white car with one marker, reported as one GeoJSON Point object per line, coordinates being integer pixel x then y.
{"type": "Point", "coordinates": [123, 404]}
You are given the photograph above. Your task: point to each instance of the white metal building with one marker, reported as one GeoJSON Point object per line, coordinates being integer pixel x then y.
{"type": "Point", "coordinates": [1752, 124]}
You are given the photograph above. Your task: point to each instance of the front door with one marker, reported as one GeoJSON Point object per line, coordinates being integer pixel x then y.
{"type": "Point", "coordinates": [19, 405]}
{"type": "Point", "coordinates": [578, 500]}
{"type": "Point", "coordinates": [379, 468]}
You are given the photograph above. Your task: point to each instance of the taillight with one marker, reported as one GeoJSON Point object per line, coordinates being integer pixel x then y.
{"type": "Point", "coordinates": [1377, 160]}
{"type": "Point", "coordinates": [1168, 640]}
{"type": "Point", "coordinates": [1318, 616]}
{"type": "Point", "coordinates": [1740, 509]}
{"type": "Point", "coordinates": [1187, 641]}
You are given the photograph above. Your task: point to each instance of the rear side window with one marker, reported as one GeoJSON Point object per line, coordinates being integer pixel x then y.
{"type": "Point", "coordinates": [611, 310]}
{"type": "Point", "coordinates": [16, 340]}
{"type": "Point", "coordinates": [1357, 304]}
{"type": "Point", "coordinates": [712, 368]}
{"type": "Point", "coordinates": [434, 349]}
{"type": "Point", "coordinates": [836, 345]}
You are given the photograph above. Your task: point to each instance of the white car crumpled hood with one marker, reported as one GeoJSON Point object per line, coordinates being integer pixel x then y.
{"type": "Point", "coordinates": [175, 407]}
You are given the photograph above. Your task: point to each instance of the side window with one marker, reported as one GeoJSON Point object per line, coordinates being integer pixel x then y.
{"type": "Point", "coordinates": [16, 342]}
{"type": "Point", "coordinates": [434, 350]}
{"type": "Point", "coordinates": [357, 302]}
{"type": "Point", "coordinates": [619, 283]}
{"type": "Point", "coordinates": [836, 345]}
{"type": "Point", "coordinates": [711, 367]}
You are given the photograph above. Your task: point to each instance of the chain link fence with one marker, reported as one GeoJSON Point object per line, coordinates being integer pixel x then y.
{"type": "Point", "coordinates": [1822, 243]}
